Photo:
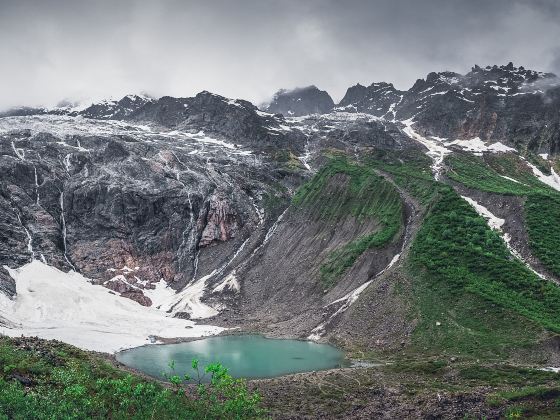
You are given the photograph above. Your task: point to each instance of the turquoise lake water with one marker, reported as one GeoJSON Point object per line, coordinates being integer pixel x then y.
{"type": "Point", "coordinates": [245, 356]}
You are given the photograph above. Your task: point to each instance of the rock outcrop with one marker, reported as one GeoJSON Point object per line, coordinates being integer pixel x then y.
{"type": "Point", "coordinates": [301, 101]}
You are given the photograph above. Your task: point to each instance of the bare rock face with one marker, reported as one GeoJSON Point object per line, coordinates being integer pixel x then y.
{"type": "Point", "coordinates": [221, 222]}
{"type": "Point", "coordinates": [129, 206]}
{"type": "Point", "coordinates": [7, 284]}
{"type": "Point", "coordinates": [301, 101]}
{"type": "Point", "coordinates": [379, 99]}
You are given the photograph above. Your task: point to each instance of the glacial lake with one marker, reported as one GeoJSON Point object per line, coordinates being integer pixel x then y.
{"type": "Point", "coordinates": [245, 356]}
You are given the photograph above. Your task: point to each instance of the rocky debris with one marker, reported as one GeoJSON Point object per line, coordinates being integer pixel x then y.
{"type": "Point", "coordinates": [300, 101]}
{"type": "Point", "coordinates": [137, 296]}
{"type": "Point", "coordinates": [366, 393]}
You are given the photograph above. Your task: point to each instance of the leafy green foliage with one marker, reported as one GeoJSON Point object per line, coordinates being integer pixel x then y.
{"type": "Point", "coordinates": [39, 383]}
{"type": "Point", "coordinates": [542, 207]}
{"type": "Point", "coordinates": [542, 215]}
{"type": "Point", "coordinates": [475, 172]}
{"type": "Point", "coordinates": [363, 194]}
{"type": "Point", "coordinates": [461, 260]}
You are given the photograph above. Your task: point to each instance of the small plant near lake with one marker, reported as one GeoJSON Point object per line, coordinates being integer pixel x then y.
{"type": "Point", "coordinates": [223, 397]}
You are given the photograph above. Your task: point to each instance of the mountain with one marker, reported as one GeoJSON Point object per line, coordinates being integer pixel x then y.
{"type": "Point", "coordinates": [414, 227]}
{"type": "Point", "coordinates": [300, 101]}
{"type": "Point", "coordinates": [379, 99]}
{"type": "Point", "coordinates": [114, 109]}
{"type": "Point", "coordinates": [509, 104]}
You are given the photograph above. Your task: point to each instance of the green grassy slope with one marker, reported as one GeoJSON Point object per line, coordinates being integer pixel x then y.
{"type": "Point", "coordinates": [472, 296]}
{"type": "Point", "coordinates": [542, 203]}
{"type": "Point", "coordinates": [367, 195]}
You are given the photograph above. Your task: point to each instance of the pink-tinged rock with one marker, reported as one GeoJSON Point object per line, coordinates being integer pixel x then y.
{"type": "Point", "coordinates": [221, 222]}
{"type": "Point", "coordinates": [138, 296]}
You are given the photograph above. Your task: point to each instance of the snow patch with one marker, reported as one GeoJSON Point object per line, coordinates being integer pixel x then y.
{"type": "Point", "coordinates": [52, 304]}
{"type": "Point", "coordinates": [229, 283]}
{"type": "Point", "coordinates": [496, 223]}
{"type": "Point", "coordinates": [477, 145]}
{"type": "Point", "coordinates": [511, 179]}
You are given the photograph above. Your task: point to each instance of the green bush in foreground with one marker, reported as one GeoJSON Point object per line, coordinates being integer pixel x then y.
{"type": "Point", "coordinates": [56, 381]}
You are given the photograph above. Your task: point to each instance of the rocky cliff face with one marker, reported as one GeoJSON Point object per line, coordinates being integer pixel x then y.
{"type": "Point", "coordinates": [379, 99]}
{"type": "Point", "coordinates": [143, 190]}
{"type": "Point", "coordinates": [301, 101]}
{"type": "Point", "coordinates": [128, 207]}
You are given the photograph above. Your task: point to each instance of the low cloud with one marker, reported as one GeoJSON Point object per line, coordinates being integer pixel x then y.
{"type": "Point", "coordinates": [53, 50]}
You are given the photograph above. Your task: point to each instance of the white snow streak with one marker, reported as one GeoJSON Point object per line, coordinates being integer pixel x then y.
{"type": "Point", "coordinates": [20, 153]}
{"type": "Point", "coordinates": [229, 283]}
{"type": "Point", "coordinates": [29, 238]}
{"type": "Point", "coordinates": [190, 298]}
{"type": "Point", "coordinates": [496, 223]}
{"type": "Point", "coordinates": [347, 300]}
{"type": "Point", "coordinates": [63, 224]}
{"type": "Point", "coordinates": [436, 149]}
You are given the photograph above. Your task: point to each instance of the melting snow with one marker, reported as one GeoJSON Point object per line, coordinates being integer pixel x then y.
{"type": "Point", "coordinates": [552, 180]}
{"type": "Point", "coordinates": [477, 145]}
{"type": "Point", "coordinates": [190, 298]}
{"type": "Point", "coordinates": [436, 149]}
{"type": "Point", "coordinates": [493, 221]}
{"type": "Point", "coordinates": [229, 283]}
{"type": "Point", "coordinates": [52, 304]}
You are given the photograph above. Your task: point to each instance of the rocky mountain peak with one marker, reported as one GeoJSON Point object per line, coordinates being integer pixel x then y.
{"type": "Point", "coordinates": [379, 99]}
{"type": "Point", "coordinates": [300, 101]}
{"type": "Point", "coordinates": [113, 109]}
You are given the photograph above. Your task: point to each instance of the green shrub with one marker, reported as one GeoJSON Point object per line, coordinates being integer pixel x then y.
{"type": "Point", "coordinates": [81, 386]}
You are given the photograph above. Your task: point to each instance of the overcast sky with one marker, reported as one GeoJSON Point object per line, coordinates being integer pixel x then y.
{"type": "Point", "coordinates": [77, 49]}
